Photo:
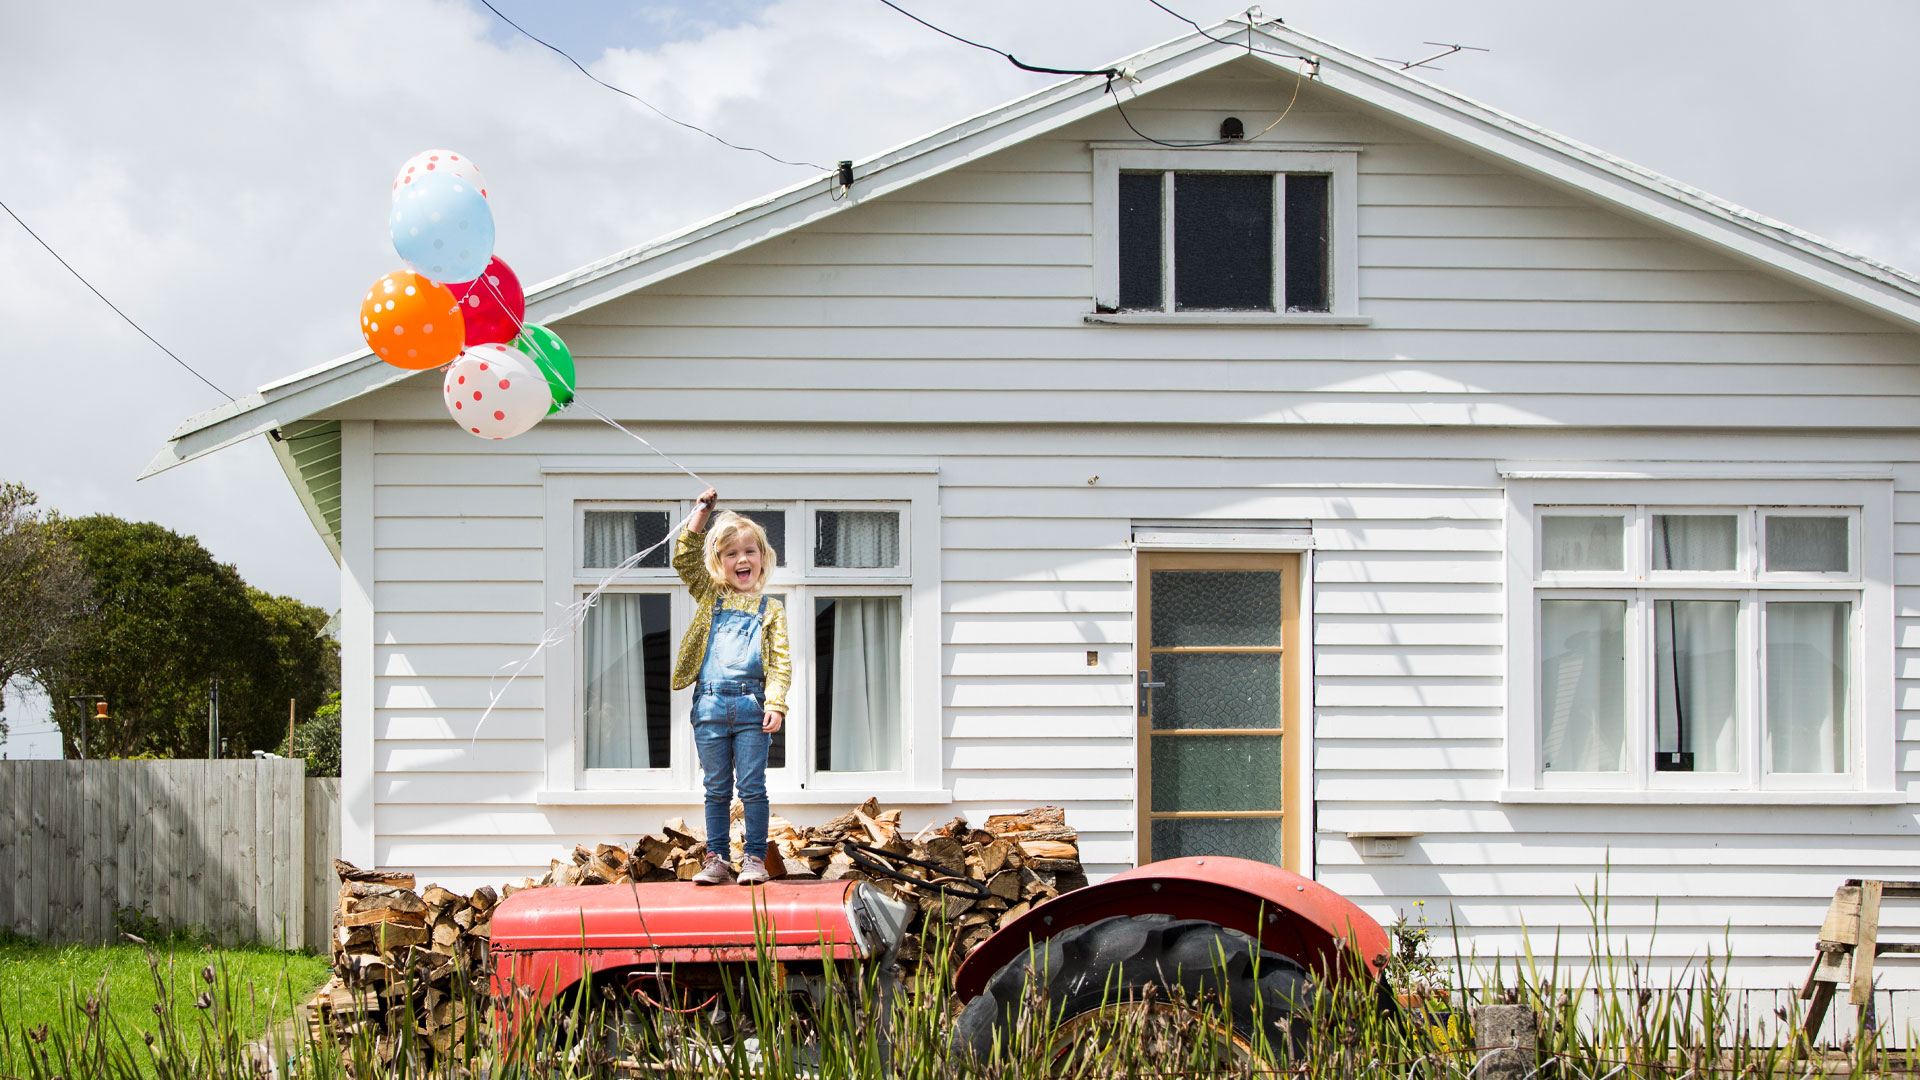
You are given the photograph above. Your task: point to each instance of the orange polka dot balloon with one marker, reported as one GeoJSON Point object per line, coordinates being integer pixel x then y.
{"type": "Point", "coordinates": [411, 322]}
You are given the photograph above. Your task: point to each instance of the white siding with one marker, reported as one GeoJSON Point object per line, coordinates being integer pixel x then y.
{"type": "Point", "coordinates": [1512, 321]}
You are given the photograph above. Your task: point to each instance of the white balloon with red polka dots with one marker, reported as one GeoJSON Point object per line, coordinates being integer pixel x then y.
{"type": "Point", "coordinates": [494, 391]}
{"type": "Point", "coordinates": [439, 161]}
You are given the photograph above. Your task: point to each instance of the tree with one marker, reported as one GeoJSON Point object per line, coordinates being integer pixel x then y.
{"type": "Point", "coordinates": [44, 591]}
{"type": "Point", "coordinates": [169, 620]}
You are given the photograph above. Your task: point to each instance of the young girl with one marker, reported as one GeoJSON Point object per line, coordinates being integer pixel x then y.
{"type": "Point", "coordinates": [735, 658]}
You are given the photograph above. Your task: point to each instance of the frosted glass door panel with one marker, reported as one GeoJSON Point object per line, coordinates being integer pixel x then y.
{"type": "Point", "coordinates": [1216, 608]}
{"type": "Point", "coordinates": [1217, 690]}
{"type": "Point", "coordinates": [1216, 772]}
{"type": "Point", "coordinates": [1246, 838]}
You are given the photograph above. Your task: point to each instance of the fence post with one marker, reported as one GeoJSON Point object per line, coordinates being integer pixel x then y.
{"type": "Point", "coordinates": [1513, 1029]}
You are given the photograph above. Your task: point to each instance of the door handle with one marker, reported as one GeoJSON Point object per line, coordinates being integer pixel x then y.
{"type": "Point", "coordinates": [1147, 686]}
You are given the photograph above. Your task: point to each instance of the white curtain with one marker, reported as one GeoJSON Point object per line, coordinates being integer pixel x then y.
{"type": "Point", "coordinates": [616, 691]}
{"type": "Point", "coordinates": [865, 539]}
{"type": "Point", "coordinates": [1694, 680]}
{"type": "Point", "coordinates": [1806, 543]}
{"type": "Point", "coordinates": [1695, 541]}
{"type": "Point", "coordinates": [866, 685]}
{"type": "Point", "coordinates": [1583, 685]}
{"type": "Point", "coordinates": [1807, 686]}
{"type": "Point", "coordinates": [610, 537]}
{"type": "Point", "coordinates": [1581, 542]}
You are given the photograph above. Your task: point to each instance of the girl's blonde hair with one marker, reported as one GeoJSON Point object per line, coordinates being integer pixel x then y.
{"type": "Point", "coordinates": [726, 526]}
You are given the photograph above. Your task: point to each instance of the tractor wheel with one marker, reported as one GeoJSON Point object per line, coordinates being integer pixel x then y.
{"type": "Point", "coordinates": [1135, 969]}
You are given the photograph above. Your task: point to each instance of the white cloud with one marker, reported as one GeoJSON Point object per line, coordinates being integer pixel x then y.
{"type": "Point", "coordinates": [221, 169]}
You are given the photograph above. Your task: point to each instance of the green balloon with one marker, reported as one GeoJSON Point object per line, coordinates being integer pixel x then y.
{"type": "Point", "coordinates": [554, 360]}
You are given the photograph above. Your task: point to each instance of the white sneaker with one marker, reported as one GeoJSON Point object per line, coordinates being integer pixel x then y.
{"type": "Point", "coordinates": [715, 871]}
{"type": "Point", "coordinates": [753, 871]}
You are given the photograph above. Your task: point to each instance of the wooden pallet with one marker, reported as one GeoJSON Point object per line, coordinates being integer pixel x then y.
{"type": "Point", "coordinates": [1849, 942]}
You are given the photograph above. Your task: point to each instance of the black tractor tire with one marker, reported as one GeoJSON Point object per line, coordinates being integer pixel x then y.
{"type": "Point", "coordinates": [1084, 967]}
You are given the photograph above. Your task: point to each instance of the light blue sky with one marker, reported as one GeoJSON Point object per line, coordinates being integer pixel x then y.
{"type": "Point", "coordinates": [221, 169]}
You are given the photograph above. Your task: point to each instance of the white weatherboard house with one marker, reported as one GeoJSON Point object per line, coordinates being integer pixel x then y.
{"type": "Point", "coordinates": [1407, 495]}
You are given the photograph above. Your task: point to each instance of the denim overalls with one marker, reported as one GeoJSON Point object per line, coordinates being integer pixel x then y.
{"type": "Point", "coordinates": [727, 711]}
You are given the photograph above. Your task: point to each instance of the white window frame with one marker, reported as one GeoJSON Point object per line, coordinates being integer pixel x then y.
{"type": "Point", "coordinates": [1339, 162]}
{"type": "Point", "coordinates": [1868, 585]}
{"type": "Point", "coordinates": [572, 488]}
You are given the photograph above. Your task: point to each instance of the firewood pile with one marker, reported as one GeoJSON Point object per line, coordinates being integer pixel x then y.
{"type": "Point", "coordinates": [400, 955]}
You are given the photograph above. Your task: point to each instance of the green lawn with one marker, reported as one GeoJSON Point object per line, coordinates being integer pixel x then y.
{"type": "Point", "coordinates": [50, 984]}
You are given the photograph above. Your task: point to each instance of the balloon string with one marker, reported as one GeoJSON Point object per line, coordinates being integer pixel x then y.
{"type": "Point", "coordinates": [520, 329]}
{"type": "Point", "coordinates": [620, 427]}
{"type": "Point", "coordinates": [573, 615]}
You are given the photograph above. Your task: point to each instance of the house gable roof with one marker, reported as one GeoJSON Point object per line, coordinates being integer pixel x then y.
{"type": "Point", "coordinates": [1451, 117]}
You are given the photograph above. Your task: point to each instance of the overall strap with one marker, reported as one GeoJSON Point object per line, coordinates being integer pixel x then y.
{"type": "Point", "coordinates": [763, 607]}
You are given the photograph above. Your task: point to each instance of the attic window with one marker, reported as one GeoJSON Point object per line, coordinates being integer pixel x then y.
{"type": "Point", "coordinates": [1232, 232]}
{"type": "Point", "coordinates": [1223, 241]}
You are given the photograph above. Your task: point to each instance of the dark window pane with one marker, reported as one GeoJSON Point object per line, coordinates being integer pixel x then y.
{"type": "Point", "coordinates": [1222, 242]}
{"type": "Point", "coordinates": [1140, 241]}
{"type": "Point", "coordinates": [626, 698]}
{"type": "Point", "coordinates": [614, 535]}
{"type": "Point", "coordinates": [1307, 246]}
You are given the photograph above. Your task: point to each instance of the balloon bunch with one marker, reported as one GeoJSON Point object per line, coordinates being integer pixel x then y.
{"type": "Point", "coordinates": [459, 306]}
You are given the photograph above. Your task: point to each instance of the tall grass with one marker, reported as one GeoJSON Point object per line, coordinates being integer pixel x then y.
{"type": "Point", "coordinates": [1602, 1017]}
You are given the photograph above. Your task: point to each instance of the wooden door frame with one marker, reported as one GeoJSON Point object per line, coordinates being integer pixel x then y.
{"type": "Point", "coordinates": [1295, 669]}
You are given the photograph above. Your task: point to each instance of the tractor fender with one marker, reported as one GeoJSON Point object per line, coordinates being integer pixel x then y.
{"type": "Point", "coordinates": [1288, 914]}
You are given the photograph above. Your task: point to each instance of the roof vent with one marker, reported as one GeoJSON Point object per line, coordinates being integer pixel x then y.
{"type": "Point", "coordinates": [1232, 128]}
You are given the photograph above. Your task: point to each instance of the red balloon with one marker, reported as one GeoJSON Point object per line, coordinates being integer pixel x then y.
{"type": "Point", "coordinates": [493, 304]}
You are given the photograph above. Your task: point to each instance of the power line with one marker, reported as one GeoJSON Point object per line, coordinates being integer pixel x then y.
{"type": "Point", "coordinates": [656, 110]}
{"type": "Point", "coordinates": [111, 304]}
{"type": "Point", "coordinates": [1110, 73]}
{"type": "Point", "coordinates": [1247, 45]}
{"type": "Point", "coordinates": [1113, 74]}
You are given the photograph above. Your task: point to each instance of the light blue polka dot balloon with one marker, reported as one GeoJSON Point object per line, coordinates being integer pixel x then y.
{"type": "Point", "coordinates": [443, 228]}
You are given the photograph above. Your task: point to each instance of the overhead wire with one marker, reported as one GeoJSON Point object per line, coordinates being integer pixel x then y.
{"type": "Point", "coordinates": [657, 111]}
{"type": "Point", "coordinates": [1247, 45]}
{"type": "Point", "coordinates": [1114, 74]}
{"type": "Point", "coordinates": [1299, 77]}
{"type": "Point", "coordinates": [1110, 72]}
{"type": "Point", "coordinates": [116, 308]}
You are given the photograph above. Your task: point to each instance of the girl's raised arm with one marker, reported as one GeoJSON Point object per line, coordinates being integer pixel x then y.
{"type": "Point", "coordinates": [689, 548]}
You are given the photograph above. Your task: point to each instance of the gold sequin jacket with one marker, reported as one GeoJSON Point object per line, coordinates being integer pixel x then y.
{"type": "Point", "coordinates": [690, 563]}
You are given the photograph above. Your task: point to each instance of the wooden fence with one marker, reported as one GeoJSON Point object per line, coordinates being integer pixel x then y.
{"type": "Point", "coordinates": [238, 850]}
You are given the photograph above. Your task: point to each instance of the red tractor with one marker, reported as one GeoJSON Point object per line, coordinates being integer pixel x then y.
{"type": "Point", "coordinates": [1212, 928]}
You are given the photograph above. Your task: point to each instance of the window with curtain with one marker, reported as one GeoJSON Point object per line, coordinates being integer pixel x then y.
{"type": "Point", "coordinates": [843, 577]}
{"type": "Point", "coordinates": [626, 669]}
{"type": "Point", "coordinates": [1686, 646]}
{"type": "Point", "coordinates": [856, 685]}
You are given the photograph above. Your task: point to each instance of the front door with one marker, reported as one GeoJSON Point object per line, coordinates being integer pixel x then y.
{"type": "Point", "coordinates": [1219, 706]}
